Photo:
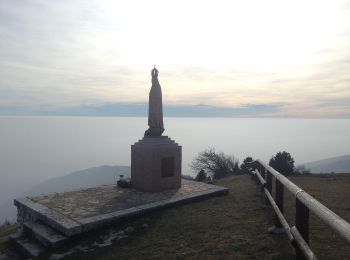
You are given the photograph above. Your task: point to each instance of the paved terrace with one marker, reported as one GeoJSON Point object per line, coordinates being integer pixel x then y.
{"type": "Point", "coordinates": [225, 227]}
{"type": "Point", "coordinates": [78, 211]}
{"type": "Point", "coordinates": [106, 199]}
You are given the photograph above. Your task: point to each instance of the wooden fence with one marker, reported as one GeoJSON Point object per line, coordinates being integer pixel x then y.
{"type": "Point", "coordinates": [298, 234]}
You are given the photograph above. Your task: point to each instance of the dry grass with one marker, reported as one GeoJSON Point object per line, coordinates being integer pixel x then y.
{"type": "Point", "coordinates": [5, 232]}
{"type": "Point", "coordinates": [227, 227]}
{"type": "Point", "coordinates": [7, 252]}
{"type": "Point", "coordinates": [334, 192]}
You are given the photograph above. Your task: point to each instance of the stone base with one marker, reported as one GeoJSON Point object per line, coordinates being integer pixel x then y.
{"type": "Point", "coordinates": [55, 218]}
{"type": "Point", "coordinates": [156, 164]}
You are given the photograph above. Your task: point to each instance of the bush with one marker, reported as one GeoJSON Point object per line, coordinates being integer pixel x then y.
{"type": "Point", "coordinates": [123, 183]}
{"type": "Point", "coordinates": [282, 162]}
{"type": "Point", "coordinates": [247, 165]}
{"type": "Point", "coordinates": [217, 165]}
{"type": "Point", "coordinates": [201, 176]}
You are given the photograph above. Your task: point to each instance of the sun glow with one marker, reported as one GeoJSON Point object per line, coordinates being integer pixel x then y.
{"type": "Point", "coordinates": [254, 35]}
{"type": "Point", "coordinates": [220, 52]}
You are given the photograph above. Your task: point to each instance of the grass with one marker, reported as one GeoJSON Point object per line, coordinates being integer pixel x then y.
{"type": "Point", "coordinates": [227, 227]}
{"type": "Point", "coordinates": [5, 231]}
{"type": "Point", "coordinates": [6, 252]}
{"type": "Point", "coordinates": [333, 191]}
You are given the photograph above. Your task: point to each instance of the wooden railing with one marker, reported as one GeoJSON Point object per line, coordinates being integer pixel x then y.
{"type": "Point", "coordinates": [298, 234]}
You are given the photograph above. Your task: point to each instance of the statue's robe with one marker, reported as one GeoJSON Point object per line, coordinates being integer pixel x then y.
{"type": "Point", "coordinates": [155, 110]}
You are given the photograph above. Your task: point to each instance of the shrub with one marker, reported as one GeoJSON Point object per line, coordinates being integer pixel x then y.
{"type": "Point", "coordinates": [217, 165]}
{"type": "Point", "coordinates": [282, 162]}
{"type": "Point", "coordinates": [247, 165]}
{"type": "Point", "coordinates": [201, 176]}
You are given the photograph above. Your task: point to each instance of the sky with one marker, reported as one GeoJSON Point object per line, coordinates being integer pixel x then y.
{"type": "Point", "coordinates": [290, 55]}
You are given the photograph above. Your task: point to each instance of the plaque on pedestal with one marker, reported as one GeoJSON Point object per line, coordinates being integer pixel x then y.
{"type": "Point", "coordinates": [156, 164]}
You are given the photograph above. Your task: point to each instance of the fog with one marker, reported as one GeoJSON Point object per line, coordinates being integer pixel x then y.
{"type": "Point", "coordinates": [35, 149]}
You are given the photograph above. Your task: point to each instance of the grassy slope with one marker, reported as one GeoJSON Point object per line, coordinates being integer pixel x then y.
{"type": "Point", "coordinates": [4, 233]}
{"type": "Point", "coordinates": [334, 192]}
{"type": "Point", "coordinates": [228, 227]}
{"type": "Point", "coordinates": [6, 252]}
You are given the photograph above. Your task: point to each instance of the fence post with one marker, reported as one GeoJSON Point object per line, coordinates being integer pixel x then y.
{"type": "Point", "coordinates": [302, 224]}
{"type": "Point", "coordinates": [268, 186]}
{"type": "Point", "coordinates": [279, 201]}
{"type": "Point", "coordinates": [262, 171]}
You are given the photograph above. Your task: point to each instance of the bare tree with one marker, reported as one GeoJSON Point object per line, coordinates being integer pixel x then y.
{"type": "Point", "coordinates": [218, 165]}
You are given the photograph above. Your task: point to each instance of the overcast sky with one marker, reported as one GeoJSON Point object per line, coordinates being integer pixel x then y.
{"type": "Point", "coordinates": [291, 54]}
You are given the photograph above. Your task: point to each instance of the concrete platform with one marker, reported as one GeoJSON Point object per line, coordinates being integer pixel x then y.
{"type": "Point", "coordinates": [76, 212]}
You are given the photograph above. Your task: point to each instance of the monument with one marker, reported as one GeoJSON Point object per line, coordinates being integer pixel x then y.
{"type": "Point", "coordinates": [52, 219]}
{"type": "Point", "coordinates": [155, 159]}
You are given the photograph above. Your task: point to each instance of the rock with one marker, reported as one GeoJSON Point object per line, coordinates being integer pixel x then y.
{"type": "Point", "coordinates": [129, 229]}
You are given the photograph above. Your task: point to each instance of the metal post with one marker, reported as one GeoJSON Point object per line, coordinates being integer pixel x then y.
{"type": "Point", "coordinates": [279, 201]}
{"type": "Point", "coordinates": [302, 224]}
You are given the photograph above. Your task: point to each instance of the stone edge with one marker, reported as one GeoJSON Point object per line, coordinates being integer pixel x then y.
{"type": "Point", "coordinates": [92, 223]}
{"type": "Point", "coordinates": [71, 227]}
{"type": "Point", "coordinates": [58, 221]}
{"type": "Point", "coordinates": [156, 141]}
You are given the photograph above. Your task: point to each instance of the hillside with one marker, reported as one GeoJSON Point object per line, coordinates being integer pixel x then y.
{"type": "Point", "coordinates": [81, 179]}
{"type": "Point", "coordinates": [340, 164]}
{"type": "Point", "coordinates": [228, 227]}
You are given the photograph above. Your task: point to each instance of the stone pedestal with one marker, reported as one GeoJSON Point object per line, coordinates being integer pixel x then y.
{"type": "Point", "coordinates": [156, 164]}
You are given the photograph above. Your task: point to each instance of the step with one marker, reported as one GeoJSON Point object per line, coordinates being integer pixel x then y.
{"type": "Point", "coordinates": [56, 220]}
{"type": "Point", "coordinates": [29, 247]}
{"type": "Point", "coordinates": [44, 234]}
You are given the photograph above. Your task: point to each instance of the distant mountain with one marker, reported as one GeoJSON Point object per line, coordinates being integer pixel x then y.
{"type": "Point", "coordinates": [340, 164]}
{"type": "Point", "coordinates": [81, 179]}
{"type": "Point", "coordinates": [140, 110]}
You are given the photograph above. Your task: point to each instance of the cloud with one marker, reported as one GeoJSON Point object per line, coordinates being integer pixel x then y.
{"type": "Point", "coordinates": [77, 53]}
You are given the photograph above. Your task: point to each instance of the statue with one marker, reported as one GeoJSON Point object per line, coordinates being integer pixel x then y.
{"type": "Point", "coordinates": [155, 108]}
{"type": "Point", "coordinates": [155, 159]}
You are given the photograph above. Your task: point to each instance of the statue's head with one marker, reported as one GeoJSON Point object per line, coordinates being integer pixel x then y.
{"type": "Point", "coordinates": [154, 72]}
